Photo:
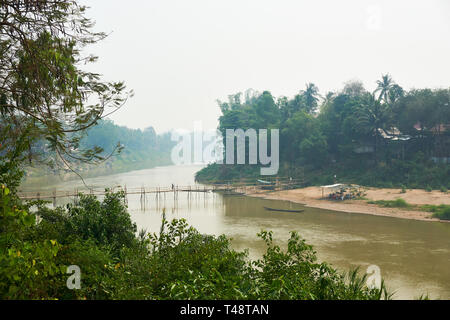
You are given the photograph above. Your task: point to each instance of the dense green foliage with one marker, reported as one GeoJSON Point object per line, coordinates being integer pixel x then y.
{"type": "Point", "coordinates": [386, 138]}
{"type": "Point", "coordinates": [27, 266]}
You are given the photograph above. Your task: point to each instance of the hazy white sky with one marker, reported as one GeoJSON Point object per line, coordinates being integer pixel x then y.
{"type": "Point", "coordinates": [179, 56]}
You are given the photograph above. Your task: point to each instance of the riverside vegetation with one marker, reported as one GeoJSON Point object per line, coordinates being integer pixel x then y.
{"type": "Point", "coordinates": [386, 138]}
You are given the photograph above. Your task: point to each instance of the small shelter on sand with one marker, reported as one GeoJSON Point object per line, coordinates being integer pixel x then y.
{"type": "Point", "coordinates": [339, 191]}
{"type": "Point", "coordinates": [332, 188]}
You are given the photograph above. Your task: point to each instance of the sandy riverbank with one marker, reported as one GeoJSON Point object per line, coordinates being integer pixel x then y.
{"type": "Point", "coordinates": [311, 197]}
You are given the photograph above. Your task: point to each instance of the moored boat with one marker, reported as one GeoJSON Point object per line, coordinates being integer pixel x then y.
{"type": "Point", "coordinates": [282, 210]}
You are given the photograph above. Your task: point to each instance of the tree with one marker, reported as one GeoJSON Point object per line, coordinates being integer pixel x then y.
{"type": "Point", "coordinates": [44, 91]}
{"type": "Point", "coordinates": [311, 95]}
{"type": "Point", "coordinates": [395, 93]}
{"type": "Point", "coordinates": [301, 138]}
{"type": "Point", "coordinates": [383, 87]}
{"type": "Point", "coordinates": [424, 115]}
{"type": "Point", "coordinates": [354, 88]}
{"type": "Point", "coordinates": [372, 117]}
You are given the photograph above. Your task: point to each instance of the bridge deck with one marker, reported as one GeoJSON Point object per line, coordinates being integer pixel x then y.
{"type": "Point", "coordinates": [241, 187]}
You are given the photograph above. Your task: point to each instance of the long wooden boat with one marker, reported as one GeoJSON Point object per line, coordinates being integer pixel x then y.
{"type": "Point", "coordinates": [233, 193]}
{"type": "Point", "coordinates": [282, 210]}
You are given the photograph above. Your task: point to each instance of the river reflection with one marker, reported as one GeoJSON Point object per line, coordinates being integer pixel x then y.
{"type": "Point", "coordinates": [414, 256]}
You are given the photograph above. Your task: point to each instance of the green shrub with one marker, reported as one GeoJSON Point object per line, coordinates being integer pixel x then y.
{"type": "Point", "coordinates": [441, 211]}
{"type": "Point", "coordinates": [97, 270]}
{"type": "Point", "coordinates": [188, 265]}
{"type": "Point", "coordinates": [107, 223]}
{"type": "Point", "coordinates": [397, 203]}
{"type": "Point", "coordinates": [443, 214]}
{"type": "Point", "coordinates": [28, 268]}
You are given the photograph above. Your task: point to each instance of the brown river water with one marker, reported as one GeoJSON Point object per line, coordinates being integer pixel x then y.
{"type": "Point", "coordinates": [413, 256]}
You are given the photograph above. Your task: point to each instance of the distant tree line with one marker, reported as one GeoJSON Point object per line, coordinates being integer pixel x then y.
{"type": "Point", "coordinates": [136, 144]}
{"type": "Point", "coordinates": [118, 148]}
{"type": "Point", "coordinates": [106, 134]}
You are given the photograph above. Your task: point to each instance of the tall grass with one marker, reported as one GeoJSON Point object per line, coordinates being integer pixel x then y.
{"type": "Point", "coordinates": [441, 211]}
{"type": "Point", "coordinates": [397, 203]}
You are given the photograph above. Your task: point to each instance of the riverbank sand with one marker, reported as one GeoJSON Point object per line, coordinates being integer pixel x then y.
{"type": "Point", "coordinates": [311, 197]}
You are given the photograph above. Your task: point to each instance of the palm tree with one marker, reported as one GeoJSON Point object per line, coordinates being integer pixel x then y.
{"type": "Point", "coordinates": [371, 118]}
{"type": "Point", "coordinates": [328, 97]}
{"type": "Point", "coordinates": [395, 93]}
{"type": "Point", "coordinates": [383, 87]}
{"type": "Point", "coordinates": [327, 100]}
{"type": "Point", "coordinates": [311, 95]}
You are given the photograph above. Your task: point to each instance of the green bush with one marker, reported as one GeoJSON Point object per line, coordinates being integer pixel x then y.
{"type": "Point", "coordinates": [441, 211]}
{"type": "Point", "coordinates": [188, 265]}
{"type": "Point", "coordinates": [97, 269]}
{"type": "Point", "coordinates": [107, 223]}
{"type": "Point", "coordinates": [28, 268]}
{"type": "Point", "coordinates": [397, 203]}
{"type": "Point", "coordinates": [443, 214]}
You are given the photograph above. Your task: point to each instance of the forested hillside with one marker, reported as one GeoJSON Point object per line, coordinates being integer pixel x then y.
{"type": "Point", "coordinates": [122, 149]}
{"type": "Point", "coordinates": [138, 146]}
{"type": "Point", "coordinates": [389, 137]}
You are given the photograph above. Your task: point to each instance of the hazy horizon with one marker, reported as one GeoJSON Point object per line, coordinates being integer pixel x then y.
{"type": "Point", "coordinates": [186, 55]}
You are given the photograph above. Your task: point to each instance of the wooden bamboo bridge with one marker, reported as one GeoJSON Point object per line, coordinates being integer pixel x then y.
{"type": "Point", "coordinates": [240, 187]}
{"type": "Point", "coordinates": [51, 194]}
